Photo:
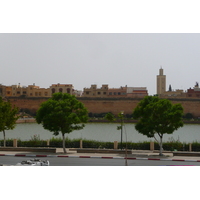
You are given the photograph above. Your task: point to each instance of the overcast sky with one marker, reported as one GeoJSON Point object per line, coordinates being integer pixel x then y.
{"type": "Point", "coordinates": [114, 59]}
{"type": "Point", "coordinates": [99, 42]}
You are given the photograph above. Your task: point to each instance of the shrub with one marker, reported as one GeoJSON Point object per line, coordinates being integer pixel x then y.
{"type": "Point", "coordinates": [195, 146]}
{"type": "Point", "coordinates": [35, 141]}
{"type": "Point", "coordinates": [75, 143]}
{"type": "Point", "coordinates": [55, 142]}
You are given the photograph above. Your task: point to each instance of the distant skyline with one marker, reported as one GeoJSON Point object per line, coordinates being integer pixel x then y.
{"type": "Point", "coordinates": [116, 59]}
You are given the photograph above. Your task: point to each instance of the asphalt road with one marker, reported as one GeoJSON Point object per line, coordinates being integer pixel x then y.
{"type": "Point", "coordinates": [56, 161]}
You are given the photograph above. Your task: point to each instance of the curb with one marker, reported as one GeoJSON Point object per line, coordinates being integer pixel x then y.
{"type": "Point", "coordinates": [103, 157]}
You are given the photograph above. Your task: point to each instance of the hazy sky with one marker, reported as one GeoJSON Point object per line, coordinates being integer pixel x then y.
{"type": "Point", "coordinates": [115, 59]}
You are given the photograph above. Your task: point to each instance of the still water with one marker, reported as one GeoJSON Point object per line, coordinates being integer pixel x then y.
{"type": "Point", "coordinates": [102, 132]}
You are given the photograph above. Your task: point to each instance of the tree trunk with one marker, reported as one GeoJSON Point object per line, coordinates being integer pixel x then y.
{"type": "Point", "coordinates": [161, 154]}
{"type": "Point", "coordinates": [4, 136]}
{"type": "Point", "coordinates": [64, 150]}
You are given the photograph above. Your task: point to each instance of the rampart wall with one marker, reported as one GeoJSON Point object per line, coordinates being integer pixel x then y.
{"type": "Point", "coordinates": [104, 105]}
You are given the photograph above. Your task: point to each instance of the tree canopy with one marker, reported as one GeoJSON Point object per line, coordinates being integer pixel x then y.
{"type": "Point", "coordinates": [8, 117]}
{"type": "Point", "coordinates": [62, 113]}
{"type": "Point", "coordinates": [110, 117]}
{"type": "Point", "coordinates": [159, 116]}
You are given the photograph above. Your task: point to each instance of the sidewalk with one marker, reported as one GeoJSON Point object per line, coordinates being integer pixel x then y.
{"type": "Point", "coordinates": [136, 154]}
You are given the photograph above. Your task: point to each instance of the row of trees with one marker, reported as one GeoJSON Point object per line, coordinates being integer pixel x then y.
{"type": "Point", "coordinates": [8, 117]}
{"type": "Point", "coordinates": [63, 113]}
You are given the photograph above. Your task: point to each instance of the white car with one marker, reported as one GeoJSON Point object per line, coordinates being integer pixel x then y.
{"type": "Point", "coordinates": [34, 162]}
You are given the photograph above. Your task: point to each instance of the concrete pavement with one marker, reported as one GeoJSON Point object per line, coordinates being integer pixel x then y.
{"type": "Point", "coordinates": [136, 154]}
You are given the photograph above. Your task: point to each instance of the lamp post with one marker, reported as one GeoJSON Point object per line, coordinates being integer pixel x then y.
{"type": "Point", "coordinates": [126, 163]}
{"type": "Point", "coordinates": [122, 124]}
{"type": "Point", "coordinates": [121, 116]}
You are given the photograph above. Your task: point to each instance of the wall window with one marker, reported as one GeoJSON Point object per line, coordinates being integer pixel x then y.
{"type": "Point", "coordinates": [53, 90]}
{"type": "Point", "coordinates": [68, 90]}
{"type": "Point", "coordinates": [110, 93]}
{"type": "Point", "coordinates": [104, 93]}
{"type": "Point", "coordinates": [60, 89]}
{"type": "Point", "coordinates": [99, 93]}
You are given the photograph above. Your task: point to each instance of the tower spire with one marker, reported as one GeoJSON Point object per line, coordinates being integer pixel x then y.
{"type": "Point", "coordinates": [161, 82]}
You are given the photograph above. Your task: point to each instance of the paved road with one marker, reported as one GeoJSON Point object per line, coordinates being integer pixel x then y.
{"type": "Point", "coordinates": [56, 161]}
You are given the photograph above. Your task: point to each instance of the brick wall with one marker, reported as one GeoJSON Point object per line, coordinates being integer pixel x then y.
{"type": "Point", "coordinates": [103, 105]}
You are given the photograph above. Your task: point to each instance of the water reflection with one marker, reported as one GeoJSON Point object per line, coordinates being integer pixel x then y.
{"type": "Point", "coordinates": [102, 132]}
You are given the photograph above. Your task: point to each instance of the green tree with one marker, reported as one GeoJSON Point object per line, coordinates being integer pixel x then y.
{"type": "Point", "coordinates": [62, 113]}
{"type": "Point", "coordinates": [189, 116]}
{"type": "Point", "coordinates": [110, 117]}
{"type": "Point", "coordinates": [157, 116]}
{"type": "Point", "coordinates": [8, 117]}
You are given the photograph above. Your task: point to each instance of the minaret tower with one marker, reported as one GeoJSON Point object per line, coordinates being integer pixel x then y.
{"type": "Point", "coordinates": [161, 82]}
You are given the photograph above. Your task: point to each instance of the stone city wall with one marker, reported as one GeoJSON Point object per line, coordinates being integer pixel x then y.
{"type": "Point", "coordinates": [104, 105]}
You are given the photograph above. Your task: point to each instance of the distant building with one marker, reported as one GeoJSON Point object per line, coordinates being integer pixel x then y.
{"type": "Point", "coordinates": [137, 92]}
{"type": "Point", "coordinates": [2, 90]}
{"type": "Point", "coordinates": [190, 93]}
{"type": "Point", "coordinates": [117, 92]}
{"type": "Point", "coordinates": [161, 87]}
{"type": "Point", "coordinates": [161, 82]}
{"type": "Point", "coordinates": [30, 91]}
{"type": "Point", "coordinates": [36, 91]}
{"type": "Point", "coordinates": [18, 90]}
{"type": "Point", "coordinates": [64, 88]}
{"type": "Point", "coordinates": [195, 92]}
{"type": "Point", "coordinates": [93, 91]}
{"type": "Point", "coordinates": [107, 92]}
{"type": "Point", "coordinates": [176, 93]}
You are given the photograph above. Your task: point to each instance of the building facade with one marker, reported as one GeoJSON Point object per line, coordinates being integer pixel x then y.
{"type": "Point", "coordinates": [137, 92]}
{"type": "Point", "coordinates": [195, 92]}
{"type": "Point", "coordinates": [106, 92]}
{"type": "Point", "coordinates": [36, 91]}
{"type": "Point", "coordinates": [93, 91]}
{"type": "Point", "coordinates": [64, 88]}
{"type": "Point", "coordinates": [161, 88]}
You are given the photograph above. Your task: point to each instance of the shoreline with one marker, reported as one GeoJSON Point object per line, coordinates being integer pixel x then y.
{"type": "Point", "coordinates": [25, 120]}
{"type": "Point", "coordinates": [32, 120]}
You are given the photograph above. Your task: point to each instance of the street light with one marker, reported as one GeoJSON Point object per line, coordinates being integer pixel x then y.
{"type": "Point", "coordinates": [126, 162]}
{"type": "Point", "coordinates": [122, 124]}
{"type": "Point", "coordinates": [121, 116]}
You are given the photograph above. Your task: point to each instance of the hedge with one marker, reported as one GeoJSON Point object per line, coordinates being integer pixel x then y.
{"type": "Point", "coordinates": [75, 143]}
